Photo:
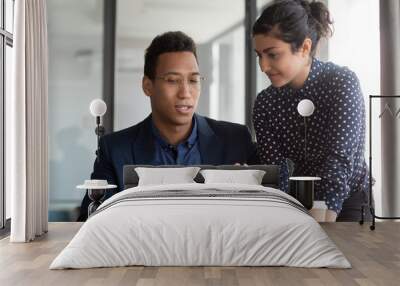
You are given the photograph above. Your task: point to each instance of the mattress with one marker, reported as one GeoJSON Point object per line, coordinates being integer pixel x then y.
{"type": "Point", "coordinates": [201, 225]}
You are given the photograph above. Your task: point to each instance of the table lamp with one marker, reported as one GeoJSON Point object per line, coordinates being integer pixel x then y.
{"type": "Point", "coordinates": [306, 109]}
{"type": "Point", "coordinates": [97, 188]}
{"type": "Point", "coordinates": [98, 108]}
{"type": "Point", "coordinates": [302, 188]}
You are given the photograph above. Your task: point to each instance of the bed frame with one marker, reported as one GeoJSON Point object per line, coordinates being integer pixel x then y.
{"type": "Point", "coordinates": [270, 179]}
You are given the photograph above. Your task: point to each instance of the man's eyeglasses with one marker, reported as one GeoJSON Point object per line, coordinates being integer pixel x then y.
{"type": "Point", "coordinates": [194, 81]}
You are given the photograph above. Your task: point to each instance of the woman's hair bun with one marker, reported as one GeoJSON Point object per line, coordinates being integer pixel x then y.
{"type": "Point", "coordinates": [320, 14]}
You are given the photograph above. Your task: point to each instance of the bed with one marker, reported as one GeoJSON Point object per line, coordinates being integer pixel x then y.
{"type": "Point", "coordinates": [201, 224]}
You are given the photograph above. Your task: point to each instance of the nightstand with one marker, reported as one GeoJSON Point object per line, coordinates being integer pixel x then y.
{"type": "Point", "coordinates": [302, 188]}
{"type": "Point", "coordinates": [97, 190]}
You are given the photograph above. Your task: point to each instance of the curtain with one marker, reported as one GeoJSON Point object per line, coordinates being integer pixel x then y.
{"type": "Point", "coordinates": [27, 149]}
{"type": "Point", "coordinates": [390, 86]}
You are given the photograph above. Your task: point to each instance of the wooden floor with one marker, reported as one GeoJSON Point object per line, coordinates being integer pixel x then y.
{"type": "Point", "coordinates": [374, 255]}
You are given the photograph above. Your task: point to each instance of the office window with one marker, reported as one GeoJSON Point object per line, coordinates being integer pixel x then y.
{"type": "Point", "coordinates": [9, 15]}
{"type": "Point", "coordinates": [6, 43]}
{"type": "Point", "coordinates": [75, 39]}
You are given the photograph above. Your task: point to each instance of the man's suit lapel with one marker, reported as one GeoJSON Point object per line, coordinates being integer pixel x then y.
{"type": "Point", "coordinates": [211, 148]}
{"type": "Point", "coordinates": [143, 146]}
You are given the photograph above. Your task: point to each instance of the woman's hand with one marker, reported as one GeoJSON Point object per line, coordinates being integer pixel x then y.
{"type": "Point", "coordinates": [330, 216]}
{"type": "Point", "coordinates": [323, 215]}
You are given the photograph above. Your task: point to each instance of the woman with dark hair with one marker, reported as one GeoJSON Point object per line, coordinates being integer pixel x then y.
{"type": "Point", "coordinates": [286, 36]}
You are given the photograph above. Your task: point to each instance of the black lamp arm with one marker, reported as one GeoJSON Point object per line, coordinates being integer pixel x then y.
{"type": "Point", "coordinates": [100, 130]}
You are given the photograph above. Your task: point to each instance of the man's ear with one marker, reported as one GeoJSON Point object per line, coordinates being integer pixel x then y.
{"type": "Point", "coordinates": [306, 47]}
{"type": "Point", "coordinates": [147, 86]}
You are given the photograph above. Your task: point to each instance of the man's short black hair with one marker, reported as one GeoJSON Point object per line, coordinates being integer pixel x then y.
{"type": "Point", "coordinates": [166, 43]}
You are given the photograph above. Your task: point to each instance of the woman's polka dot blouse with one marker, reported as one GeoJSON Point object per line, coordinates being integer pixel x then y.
{"type": "Point", "coordinates": [335, 133]}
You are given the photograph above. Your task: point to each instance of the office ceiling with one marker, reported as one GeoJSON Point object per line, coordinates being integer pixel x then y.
{"type": "Point", "coordinates": [143, 19]}
{"type": "Point", "coordinates": [75, 27]}
{"type": "Point", "coordinates": [200, 19]}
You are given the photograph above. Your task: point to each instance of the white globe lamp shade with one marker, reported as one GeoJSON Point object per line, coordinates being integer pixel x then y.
{"type": "Point", "coordinates": [305, 107]}
{"type": "Point", "coordinates": [98, 107]}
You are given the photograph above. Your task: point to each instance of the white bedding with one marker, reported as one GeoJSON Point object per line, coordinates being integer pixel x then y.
{"type": "Point", "coordinates": [185, 230]}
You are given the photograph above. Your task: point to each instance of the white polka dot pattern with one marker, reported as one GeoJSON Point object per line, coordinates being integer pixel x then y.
{"type": "Point", "coordinates": [335, 131]}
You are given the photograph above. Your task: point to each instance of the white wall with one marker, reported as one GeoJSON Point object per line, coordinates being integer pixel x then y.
{"type": "Point", "coordinates": [356, 44]}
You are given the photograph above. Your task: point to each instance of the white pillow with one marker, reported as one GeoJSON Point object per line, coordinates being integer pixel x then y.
{"type": "Point", "coordinates": [163, 176]}
{"type": "Point", "coordinates": [248, 177]}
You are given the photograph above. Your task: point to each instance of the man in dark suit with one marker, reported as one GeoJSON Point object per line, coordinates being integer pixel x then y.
{"type": "Point", "coordinates": [173, 134]}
